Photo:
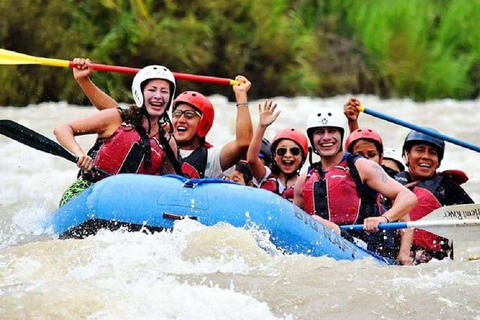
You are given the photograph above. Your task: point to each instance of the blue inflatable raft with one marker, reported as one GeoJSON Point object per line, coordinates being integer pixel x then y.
{"type": "Point", "coordinates": [142, 201]}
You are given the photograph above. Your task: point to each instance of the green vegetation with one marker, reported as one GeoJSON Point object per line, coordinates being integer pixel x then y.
{"type": "Point", "coordinates": [404, 48]}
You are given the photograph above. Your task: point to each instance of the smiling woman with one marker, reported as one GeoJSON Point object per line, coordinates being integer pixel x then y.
{"type": "Point", "coordinates": [289, 149]}
{"type": "Point", "coordinates": [128, 141]}
{"type": "Point", "coordinates": [157, 94]}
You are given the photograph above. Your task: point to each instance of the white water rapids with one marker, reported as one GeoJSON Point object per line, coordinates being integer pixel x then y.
{"type": "Point", "coordinates": [218, 272]}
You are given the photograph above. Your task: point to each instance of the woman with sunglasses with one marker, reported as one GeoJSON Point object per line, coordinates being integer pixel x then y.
{"type": "Point", "coordinates": [193, 116]}
{"type": "Point", "coordinates": [289, 151]}
{"type": "Point", "coordinates": [128, 141]}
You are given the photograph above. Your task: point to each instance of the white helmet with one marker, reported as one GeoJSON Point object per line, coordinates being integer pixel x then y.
{"type": "Point", "coordinates": [149, 73]}
{"type": "Point", "coordinates": [394, 155]}
{"type": "Point", "coordinates": [327, 117]}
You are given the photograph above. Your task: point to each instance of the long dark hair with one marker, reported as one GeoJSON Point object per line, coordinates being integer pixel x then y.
{"type": "Point", "coordinates": [134, 117]}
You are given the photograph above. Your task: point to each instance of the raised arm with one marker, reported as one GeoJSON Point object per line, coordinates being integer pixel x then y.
{"type": "Point", "coordinates": [350, 109]}
{"type": "Point", "coordinates": [234, 151]}
{"type": "Point", "coordinates": [267, 116]}
{"type": "Point", "coordinates": [97, 97]}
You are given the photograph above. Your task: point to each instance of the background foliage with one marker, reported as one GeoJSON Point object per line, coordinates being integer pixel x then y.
{"type": "Point", "coordinates": [404, 48]}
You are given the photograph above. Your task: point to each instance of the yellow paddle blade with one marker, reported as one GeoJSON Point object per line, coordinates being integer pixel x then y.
{"type": "Point", "coordinates": [8, 57]}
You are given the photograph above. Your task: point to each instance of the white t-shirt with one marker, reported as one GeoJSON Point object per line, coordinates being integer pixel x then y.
{"type": "Point", "coordinates": [213, 168]}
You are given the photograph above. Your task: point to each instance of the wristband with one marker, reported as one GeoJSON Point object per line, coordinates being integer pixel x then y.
{"type": "Point", "coordinates": [242, 104]}
{"type": "Point", "coordinates": [386, 218]}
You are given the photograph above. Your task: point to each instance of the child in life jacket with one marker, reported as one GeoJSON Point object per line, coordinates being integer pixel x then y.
{"type": "Point", "coordinates": [289, 150]}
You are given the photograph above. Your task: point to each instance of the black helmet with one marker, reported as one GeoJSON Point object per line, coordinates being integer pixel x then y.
{"type": "Point", "coordinates": [415, 137]}
{"type": "Point", "coordinates": [265, 152]}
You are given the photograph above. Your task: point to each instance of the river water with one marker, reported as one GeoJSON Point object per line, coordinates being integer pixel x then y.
{"type": "Point", "coordinates": [218, 272]}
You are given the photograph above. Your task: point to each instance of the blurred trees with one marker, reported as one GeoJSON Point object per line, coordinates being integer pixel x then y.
{"type": "Point", "coordinates": [419, 49]}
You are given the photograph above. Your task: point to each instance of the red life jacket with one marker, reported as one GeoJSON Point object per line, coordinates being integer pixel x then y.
{"type": "Point", "coordinates": [427, 194]}
{"type": "Point", "coordinates": [427, 202]}
{"type": "Point", "coordinates": [123, 153]}
{"type": "Point", "coordinates": [272, 184]}
{"type": "Point", "coordinates": [339, 195]}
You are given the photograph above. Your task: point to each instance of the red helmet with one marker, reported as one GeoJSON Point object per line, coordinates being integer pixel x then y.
{"type": "Point", "coordinates": [367, 134]}
{"type": "Point", "coordinates": [203, 105]}
{"type": "Point", "coordinates": [294, 135]}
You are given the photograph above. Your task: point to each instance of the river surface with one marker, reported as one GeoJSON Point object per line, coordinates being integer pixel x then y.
{"type": "Point", "coordinates": [218, 272]}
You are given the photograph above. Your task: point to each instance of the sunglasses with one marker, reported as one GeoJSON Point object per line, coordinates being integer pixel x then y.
{"type": "Point", "coordinates": [295, 151]}
{"type": "Point", "coordinates": [189, 114]}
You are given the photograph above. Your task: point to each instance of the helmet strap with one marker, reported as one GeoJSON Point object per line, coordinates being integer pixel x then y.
{"type": "Point", "coordinates": [310, 155]}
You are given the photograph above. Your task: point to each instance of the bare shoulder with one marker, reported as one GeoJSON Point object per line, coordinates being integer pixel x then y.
{"type": "Point", "coordinates": [111, 113]}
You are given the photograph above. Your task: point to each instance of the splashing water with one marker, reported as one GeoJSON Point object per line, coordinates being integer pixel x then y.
{"type": "Point", "coordinates": [217, 272]}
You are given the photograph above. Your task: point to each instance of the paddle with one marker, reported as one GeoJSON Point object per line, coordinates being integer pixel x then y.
{"type": "Point", "coordinates": [8, 57]}
{"type": "Point", "coordinates": [458, 222]}
{"type": "Point", "coordinates": [37, 141]}
{"type": "Point", "coordinates": [34, 139]}
{"type": "Point", "coordinates": [420, 129]}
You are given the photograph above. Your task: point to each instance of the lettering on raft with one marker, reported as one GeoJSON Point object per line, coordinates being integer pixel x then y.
{"type": "Point", "coordinates": [471, 214]}
{"type": "Point", "coordinates": [329, 234]}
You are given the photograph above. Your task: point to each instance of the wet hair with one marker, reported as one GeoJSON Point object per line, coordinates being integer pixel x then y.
{"type": "Point", "coordinates": [134, 117]}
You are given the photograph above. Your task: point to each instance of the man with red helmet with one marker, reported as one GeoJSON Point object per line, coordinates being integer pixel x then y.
{"type": "Point", "coordinates": [289, 151]}
{"type": "Point", "coordinates": [193, 116]}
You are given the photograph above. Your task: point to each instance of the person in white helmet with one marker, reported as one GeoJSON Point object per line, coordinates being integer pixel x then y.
{"type": "Point", "coordinates": [128, 140]}
{"type": "Point", "coordinates": [342, 188]}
